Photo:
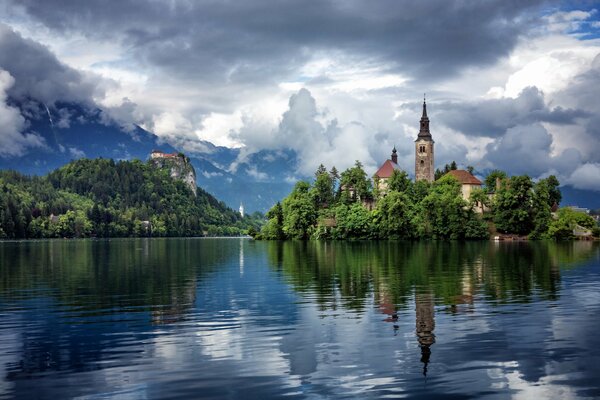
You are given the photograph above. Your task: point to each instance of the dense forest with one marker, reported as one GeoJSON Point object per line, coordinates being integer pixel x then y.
{"type": "Point", "coordinates": [350, 206]}
{"type": "Point", "coordinates": [104, 198]}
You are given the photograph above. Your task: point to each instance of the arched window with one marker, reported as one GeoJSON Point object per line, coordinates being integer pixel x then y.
{"type": "Point", "coordinates": [422, 162]}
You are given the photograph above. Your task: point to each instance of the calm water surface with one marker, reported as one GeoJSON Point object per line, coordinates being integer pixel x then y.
{"type": "Point", "coordinates": [233, 318]}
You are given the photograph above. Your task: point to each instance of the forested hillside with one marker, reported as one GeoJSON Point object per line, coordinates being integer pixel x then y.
{"type": "Point", "coordinates": [105, 198]}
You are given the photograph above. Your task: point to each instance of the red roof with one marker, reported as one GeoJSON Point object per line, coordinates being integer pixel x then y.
{"type": "Point", "coordinates": [464, 177]}
{"type": "Point", "coordinates": [385, 171]}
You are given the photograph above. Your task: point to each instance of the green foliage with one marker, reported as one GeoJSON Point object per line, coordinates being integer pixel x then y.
{"type": "Point", "coordinates": [541, 210]}
{"type": "Point", "coordinates": [399, 181]}
{"type": "Point", "coordinates": [415, 210]}
{"type": "Point", "coordinates": [356, 185]}
{"type": "Point", "coordinates": [445, 215]}
{"type": "Point", "coordinates": [513, 207]}
{"type": "Point", "coordinates": [492, 178]}
{"type": "Point", "coordinates": [447, 168]}
{"type": "Point", "coordinates": [353, 222]}
{"type": "Point", "coordinates": [567, 220]}
{"type": "Point", "coordinates": [105, 198]}
{"type": "Point", "coordinates": [550, 185]}
{"type": "Point", "coordinates": [323, 190]}
{"type": "Point", "coordinates": [273, 229]}
{"type": "Point", "coordinates": [394, 217]}
{"type": "Point", "coordinates": [299, 213]}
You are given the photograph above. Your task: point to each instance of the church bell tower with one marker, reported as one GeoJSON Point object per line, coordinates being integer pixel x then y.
{"type": "Point", "coordinates": [424, 166]}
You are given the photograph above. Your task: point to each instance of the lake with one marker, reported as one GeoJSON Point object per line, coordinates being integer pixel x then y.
{"type": "Point", "coordinates": [235, 318]}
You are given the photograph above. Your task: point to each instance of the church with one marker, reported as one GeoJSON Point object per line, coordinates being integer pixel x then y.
{"type": "Point", "coordinates": [424, 162]}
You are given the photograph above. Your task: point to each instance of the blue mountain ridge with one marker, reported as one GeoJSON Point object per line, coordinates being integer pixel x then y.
{"type": "Point", "coordinates": [73, 131]}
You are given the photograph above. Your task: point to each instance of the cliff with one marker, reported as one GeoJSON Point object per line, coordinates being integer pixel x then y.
{"type": "Point", "coordinates": [179, 167]}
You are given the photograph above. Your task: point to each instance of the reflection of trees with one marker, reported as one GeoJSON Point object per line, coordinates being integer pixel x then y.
{"type": "Point", "coordinates": [453, 272]}
{"type": "Point", "coordinates": [453, 275]}
{"type": "Point", "coordinates": [89, 281]}
{"type": "Point", "coordinates": [103, 274]}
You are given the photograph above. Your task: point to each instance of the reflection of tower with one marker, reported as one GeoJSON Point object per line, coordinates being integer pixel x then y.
{"type": "Point", "coordinates": [242, 209]}
{"type": "Point", "coordinates": [425, 326]}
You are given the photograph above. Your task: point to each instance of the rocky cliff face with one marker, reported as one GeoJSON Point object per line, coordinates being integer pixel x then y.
{"type": "Point", "coordinates": [179, 167]}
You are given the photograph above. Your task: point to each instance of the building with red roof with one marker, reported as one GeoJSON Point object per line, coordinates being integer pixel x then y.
{"type": "Point", "coordinates": [385, 171]}
{"type": "Point", "coordinates": [467, 181]}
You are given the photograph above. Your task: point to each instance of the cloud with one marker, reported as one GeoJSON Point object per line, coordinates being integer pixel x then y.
{"type": "Point", "coordinates": [263, 40]}
{"type": "Point", "coordinates": [40, 75]}
{"type": "Point", "coordinates": [12, 141]}
{"type": "Point", "coordinates": [586, 176]}
{"type": "Point", "coordinates": [527, 149]}
{"type": "Point", "coordinates": [493, 117]}
{"type": "Point", "coordinates": [513, 85]}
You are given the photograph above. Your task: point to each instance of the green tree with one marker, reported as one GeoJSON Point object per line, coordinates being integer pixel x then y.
{"type": "Point", "coordinates": [323, 188]}
{"type": "Point", "coordinates": [513, 207]}
{"type": "Point", "coordinates": [355, 183]}
{"type": "Point", "coordinates": [541, 211]}
{"type": "Point", "coordinates": [393, 217]}
{"type": "Point", "coordinates": [273, 229]}
{"type": "Point", "coordinates": [492, 178]}
{"type": "Point", "coordinates": [299, 213]}
{"type": "Point", "coordinates": [399, 181]}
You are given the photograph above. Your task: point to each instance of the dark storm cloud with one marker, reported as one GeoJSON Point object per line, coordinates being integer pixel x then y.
{"type": "Point", "coordinates": [527, 149]}
{"type": "Point", "coordinates": [492, 117]}
{"type": "Point", "coordinates": [39, 74]}
{"type": "Point", "coordinates": [264, 40]}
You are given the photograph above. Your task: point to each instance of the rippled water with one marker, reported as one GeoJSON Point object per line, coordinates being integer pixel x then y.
{"type": "Point", "coordinates": [233, 318]}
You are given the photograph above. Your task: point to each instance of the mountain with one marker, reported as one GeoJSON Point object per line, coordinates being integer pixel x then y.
{"type": "Point", "coordinates": [258, 180]}
{"type": "Point", "coordinates": [104, 198]}
{"type": "Point", "coordinates": [72, 131]}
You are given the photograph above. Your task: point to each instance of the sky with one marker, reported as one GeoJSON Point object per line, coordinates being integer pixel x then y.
{"type": "Point", "coordinates": [511, 85]}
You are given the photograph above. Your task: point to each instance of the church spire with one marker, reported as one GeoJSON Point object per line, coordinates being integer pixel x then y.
{"type": "Point", "coordinates": [394, 155]}
{"type": "Point", "coordinates": [424, 131]}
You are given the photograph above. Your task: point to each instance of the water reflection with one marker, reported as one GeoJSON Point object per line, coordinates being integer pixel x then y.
{"type": "Point", "coordinates": [183, 317]}
{"type": "Point", "coordinates": [425, 326]}
{"type": "Point", "coordinates": [449, 278]}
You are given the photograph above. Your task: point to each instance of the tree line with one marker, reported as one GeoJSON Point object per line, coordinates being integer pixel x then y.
{"type": "Point", "coordinates": [351, 206]}
{"type": "Point", "coordinates": [104, 198]}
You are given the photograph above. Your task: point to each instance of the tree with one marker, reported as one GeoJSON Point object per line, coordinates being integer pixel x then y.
{"type": "Point", "coordinates": [393, 217]}
{"type": "Point", "coordinates": [541, 211]}
{"type": "Point", "coordinates": [513, 208]}
{"type": "Point", "coordinates": [322, 190]}
{"type": "Point", "coordinates": [299, 214]}
{"type": "Point", "coordinates": [491, 180]}
{"type": "Point", "coordinates": [320, 170]}
{"type": "Point", "coordinates": [444, 214]}
{"type": "Point", "coordinates": [479, 198]}
{"type": "Point", "coordinates": [355, 183]}
{"type": "Point", "coordinates": [567, 220]}
{"type": "Point", "coordinates": [551, 185]}
{"type": "Point", "coordinates": [273, 229]}
{"type": "Point", "coordinates": [399, 181]}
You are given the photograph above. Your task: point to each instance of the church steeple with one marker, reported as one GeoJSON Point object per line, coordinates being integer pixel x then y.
{"type": "Point", "coordinates": [424, 165]}
{"type": "Point", "coordinates": [424, 131]}
{"type": "Point", "coordinates": [394, 155]}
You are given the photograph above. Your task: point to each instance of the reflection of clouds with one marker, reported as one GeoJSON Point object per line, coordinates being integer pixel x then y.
{"type": "Point", "coordinates": [543, 389]}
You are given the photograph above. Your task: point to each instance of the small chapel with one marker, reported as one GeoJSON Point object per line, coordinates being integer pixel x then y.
{"type": "Point", "coordinates": [424, 162]}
